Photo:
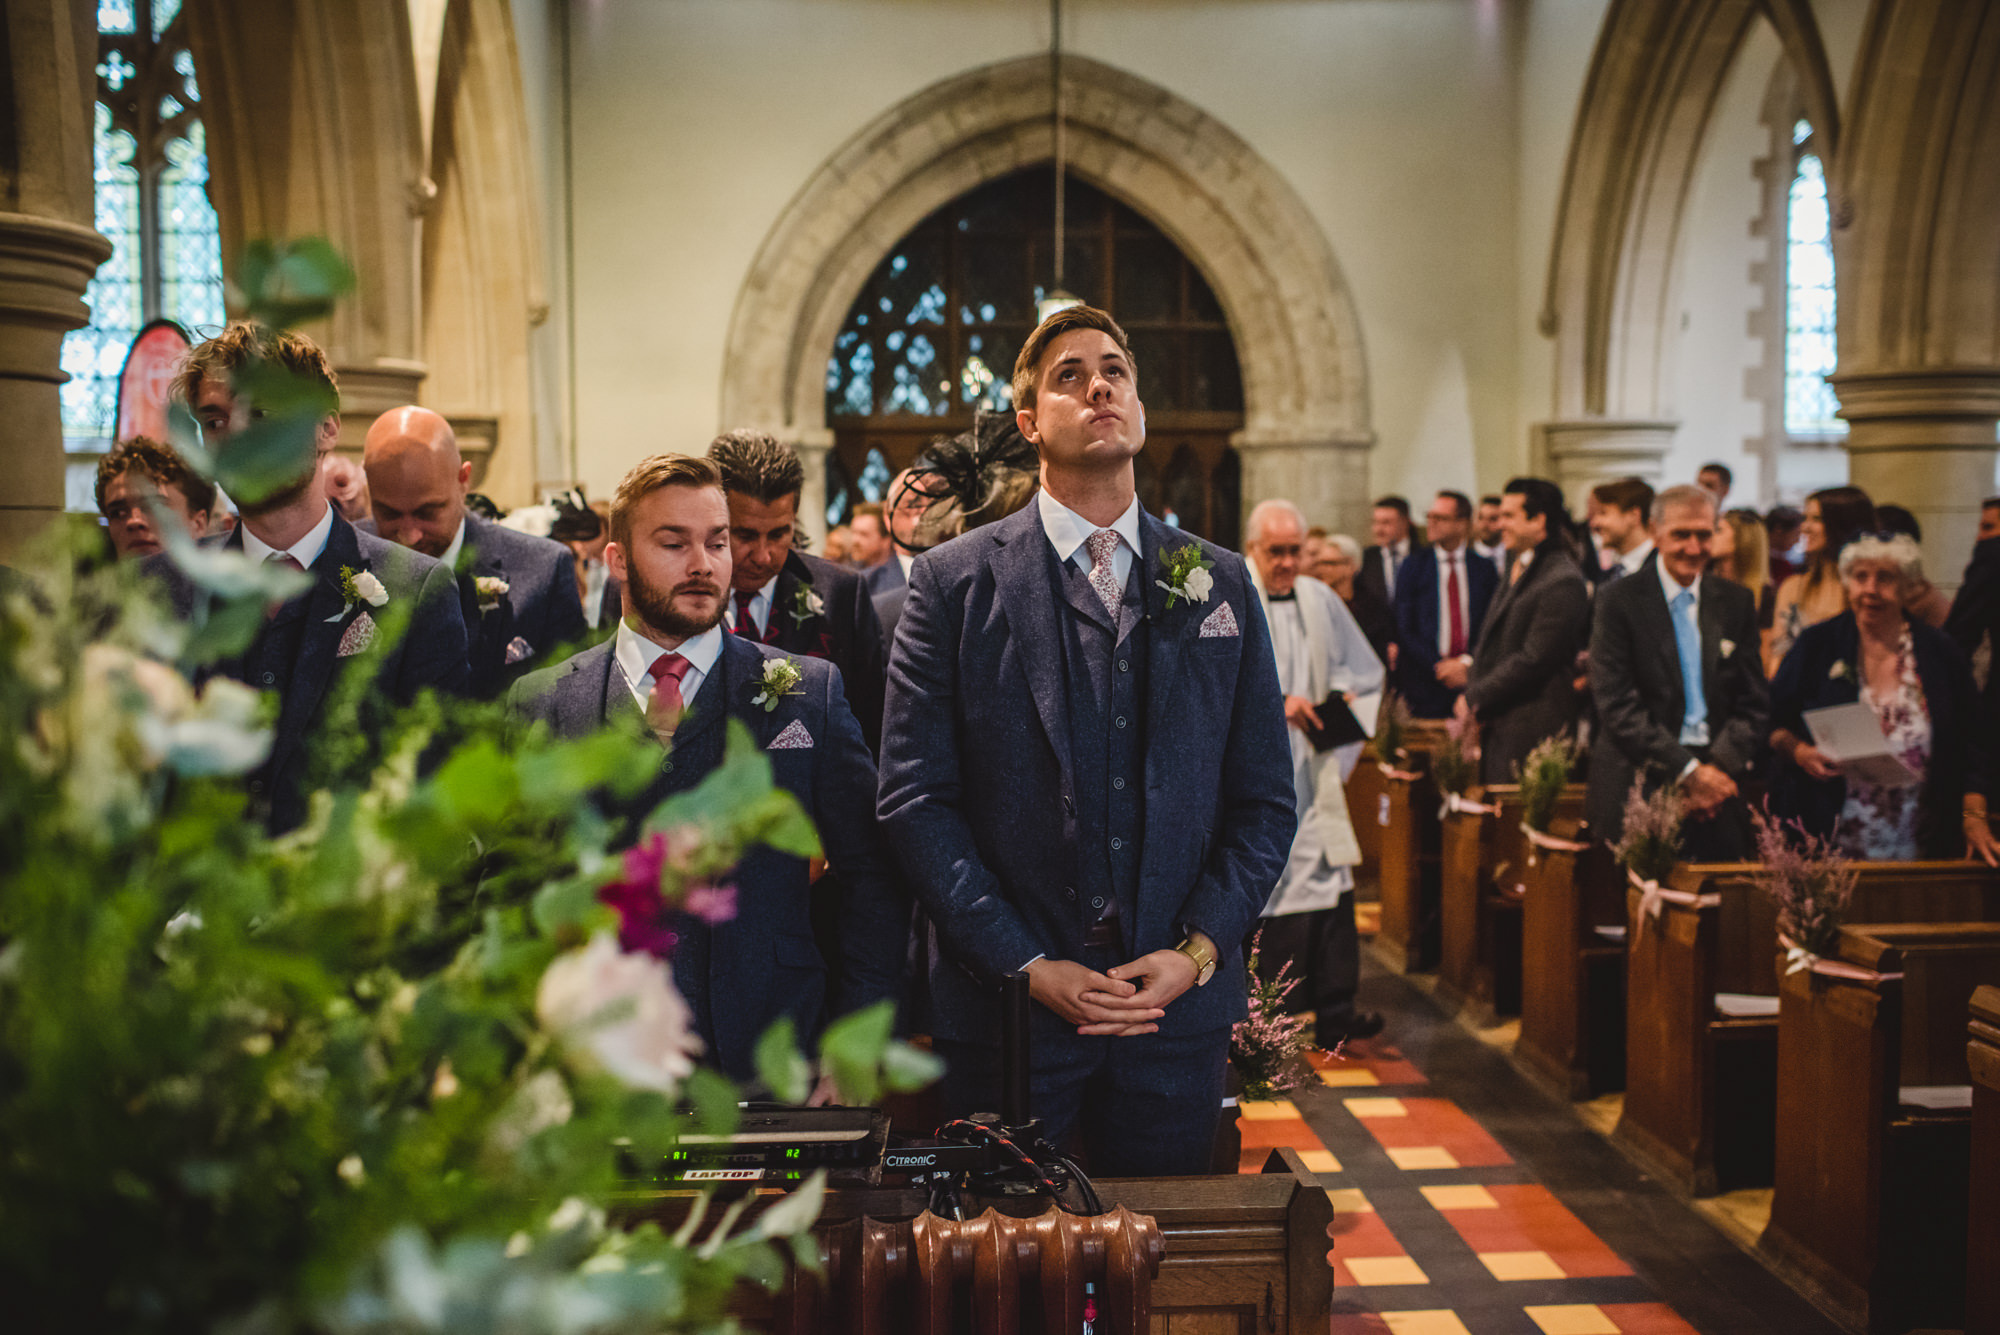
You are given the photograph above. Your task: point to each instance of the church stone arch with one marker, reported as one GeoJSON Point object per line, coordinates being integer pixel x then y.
{"type": "Point", "coordinates": [1306, 427]}
{"type": "Point", "coordinates": [1654, 80]}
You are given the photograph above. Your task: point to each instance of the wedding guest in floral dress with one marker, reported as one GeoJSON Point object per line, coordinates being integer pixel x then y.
{"type": "Point", "coordinates": [1917, 683]}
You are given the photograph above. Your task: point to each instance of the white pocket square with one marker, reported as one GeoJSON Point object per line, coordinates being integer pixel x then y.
{"type": "Point", "coordinates": [793, 738]}
{"type": "Point", "coordinates": [1728, 647]}
{"type": "Point", "coordinates": [1221, 624]}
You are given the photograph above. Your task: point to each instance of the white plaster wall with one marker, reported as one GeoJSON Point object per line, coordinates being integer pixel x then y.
{"type": "Point", "coordinates": [1713, 281]}
{"type": "Point", "coordinates": [1397, 122]}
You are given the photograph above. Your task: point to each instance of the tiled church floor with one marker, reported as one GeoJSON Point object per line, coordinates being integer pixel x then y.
{"type": "Point", "coordinates": [1469, 1203]}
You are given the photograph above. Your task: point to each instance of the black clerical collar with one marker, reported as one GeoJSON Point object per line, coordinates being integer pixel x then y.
{"type": "Point", "coordinates": [1291, 597]}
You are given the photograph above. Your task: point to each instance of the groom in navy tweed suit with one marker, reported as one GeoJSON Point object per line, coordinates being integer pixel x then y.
{"type": "Point", "coordinates": [1086, 783]}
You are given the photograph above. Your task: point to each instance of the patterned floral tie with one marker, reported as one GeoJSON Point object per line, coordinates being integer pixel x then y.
{"type": "Point", "coordinates": [664, 706]}
{"type": "Point", "coordinates": [1102, 545]}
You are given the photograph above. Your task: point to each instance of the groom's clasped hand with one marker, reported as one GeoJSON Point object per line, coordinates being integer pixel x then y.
{"type": "Point", "coordinates": [1109, 1004]}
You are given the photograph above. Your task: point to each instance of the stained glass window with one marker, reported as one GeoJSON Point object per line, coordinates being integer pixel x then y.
{"type": "Point", "coordinates": [1810, 347]}
{"type": "Point", "coordinates": [152, 205]}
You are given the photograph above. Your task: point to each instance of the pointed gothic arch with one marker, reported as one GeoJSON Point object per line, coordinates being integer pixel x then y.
{"type": "Point", "coordinates": [1306, 426]}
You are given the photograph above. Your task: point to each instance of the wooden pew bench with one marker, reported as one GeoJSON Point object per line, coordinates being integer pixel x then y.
{"type": "Point", "coordinates": [1483, 862]}
{"type": "Point", "coordinates": [1701, 1082]}
{"type": "Point", "coordinates": [1875, 1121]}
{"type": "Point", "coordinates": [1396, 819]}
{"type": "Point", "coordinates": [1982, 1235]}
{"type": "Point", "coordinates": [1572, 969]}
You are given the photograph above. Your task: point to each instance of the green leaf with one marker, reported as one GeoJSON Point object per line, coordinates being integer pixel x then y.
{"type": "Point", "coordinates": [281, 284]}
{"type": "Point", "coordinates": [906, 1068]}
{"type": "Point", "coordinates": [793, 1213]}
{"type": "Point", "coordinates": [268, 456]}
{"type": "Point", "coordinates": [852, 1050]}
{"type": "Point", "coordinates": [713, 1098]}
{"type": "Point", "coordinates": [780, 1065]}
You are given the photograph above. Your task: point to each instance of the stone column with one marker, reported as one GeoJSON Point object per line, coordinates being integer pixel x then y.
{"type": "Point", "coordinates": [48, 250]}
{"type": "Point", "coordinates": [1579, 453]}
{"type": "Point", "coordinates": [814, 447]}
{"type": "Point", "coordinates": [1327, 478]}
{"type": "Point", "coordinates": [1925, 440]}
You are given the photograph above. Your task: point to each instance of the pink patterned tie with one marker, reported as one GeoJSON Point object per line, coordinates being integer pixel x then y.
{"type": "Point", "coordinates": [1101, 545]}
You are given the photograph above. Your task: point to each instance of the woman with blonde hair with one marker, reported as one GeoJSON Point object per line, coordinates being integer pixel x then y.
{"type": "Point", "coordinates": [1834, 517]}
{"type": "Point", "coordinates": [1741, 554]}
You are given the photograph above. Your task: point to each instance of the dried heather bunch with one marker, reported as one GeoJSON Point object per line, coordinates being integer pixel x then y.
{"type": "Point", "coordinates": [1542, 777]}
{"type": "Point", "coordinates": [1651, 844]}
{"type": "Point", "coordinates": [1808, 879]}
{"type": "Point", "coordinates": [1269, 1048]}
{"type": "Point", "coordinates": [1452, 764]}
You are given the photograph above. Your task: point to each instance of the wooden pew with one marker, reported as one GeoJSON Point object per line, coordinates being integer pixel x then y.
{"type": "Point", "coordinates": [1874, 1124]}
{"type": "Point", "coordinates": [1483, 861]}
{"type": "Point", "coordinates": [1242, 1251]}
{"type": "Point", "coordinates": [1982, 1234]}
{"type": "Point", "coordinates": [1701, 1086]}
{"type": "Point", "coordinates": [1407, 939]}
{"type": "Point", "coordinates": [1572, 976]}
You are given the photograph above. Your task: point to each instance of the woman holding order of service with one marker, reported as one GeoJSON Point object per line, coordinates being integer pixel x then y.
{"type": "Point", "coordinates": [1917, 683]}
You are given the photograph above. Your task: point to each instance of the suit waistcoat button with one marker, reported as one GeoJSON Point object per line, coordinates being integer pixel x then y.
{"type": "Point", "coordinates": [667, 766]}
{"type": "Point", "coordinates": [1069, 891]}
{"type": "Point", "coordinates": [270, 678]}
{"type": "Point", "coordinates": [1117, 844]}
{"type": "Point", "coordinates": [1120, 720]}
{"type": "Point", "coordinates": [1097, 901]}
{"type": "Point", "coordinates": [1118, 784]}
{"type": "Point", "coordinates": [1124, 665]}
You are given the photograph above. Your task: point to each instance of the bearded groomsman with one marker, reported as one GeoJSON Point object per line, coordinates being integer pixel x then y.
{"type": "Point", "coordinates": [307, 642]}
{"type": "Point", "coordinates": [1085, 772]}
{"type": "Point", "coordinates": [674, 670]}
{"type": "Point", "coordinates": [1679, 687]}
{"type": "Point", "coordinates": [787, 598]}
{"type": "Point", "coordinates": [517, 591]}
{"type": "Point", "coordinates": [1323, 661]}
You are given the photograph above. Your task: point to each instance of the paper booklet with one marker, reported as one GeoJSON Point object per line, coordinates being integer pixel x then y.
{"type": "Point", "coordinates": [1851, 736]}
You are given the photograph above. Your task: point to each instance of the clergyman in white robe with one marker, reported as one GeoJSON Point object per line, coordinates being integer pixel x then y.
{"type": "Point", "coordinates": [1309, 918]}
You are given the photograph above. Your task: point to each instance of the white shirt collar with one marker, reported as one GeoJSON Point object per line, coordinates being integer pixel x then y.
{"type": "Point", "coordinates": [905, 560]}
{"type": "Point", "coordinates": [1635, 558]}
{"type": "Point", "coordinates": [1457, 553]}
{"type": "Point", "coordinates": [1068, 530]}
{"type": "Point", "coordinates": [450, 557]}
{"type": "Point", "coordinates": [636, 655]}
{"type": "Point", "coordinates": [1673, 587]}
{"type": "Point", "coordinates": [305, 551]}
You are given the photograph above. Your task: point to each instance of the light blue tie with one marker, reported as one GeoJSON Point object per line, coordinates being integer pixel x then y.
{"type": "Point", "coordinates": [1687, 639]}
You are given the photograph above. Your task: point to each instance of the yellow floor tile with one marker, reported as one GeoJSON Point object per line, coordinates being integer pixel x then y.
{"type": "Point", "coordinates": [1573, 1319]}
{"type": "Point", "coordinates": [1413, 1157]}
{"type": "Point", "coordinates": [1348, 1076]}
{"type": "Point", "coordinates": [1373, 1270]}
{"type": "Point", "coordinates": [1349, 1200]}
{"type": "Point", "coordinates": [1273, 1111]}
{"type": "Point", "coordinates": [1442, 1321]}
{"type": "Point", "coordinates": [1377, 1107]}
{"type": "Point", "coordinates": [1473, 1197]}
{"type": "Point", "coordinates": [1521, 1265]}
{"type": "Point", "coordinates": [1319, 1161]}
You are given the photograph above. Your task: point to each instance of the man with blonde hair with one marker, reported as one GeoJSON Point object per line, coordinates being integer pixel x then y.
{"type": "Point", "coordinates": [673, 670]}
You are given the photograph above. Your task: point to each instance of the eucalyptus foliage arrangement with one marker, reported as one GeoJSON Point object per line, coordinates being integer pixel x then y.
{"type": "Point", "coordinates": [386, 1072]}
{"type": "Point", "coordinates": [1651, 842]}
{"type": "Point", "coordinates": [1542, 777]}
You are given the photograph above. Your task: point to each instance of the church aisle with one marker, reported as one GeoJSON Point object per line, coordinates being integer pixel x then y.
{"type": "Point", "coordinates": [1469, 1203]}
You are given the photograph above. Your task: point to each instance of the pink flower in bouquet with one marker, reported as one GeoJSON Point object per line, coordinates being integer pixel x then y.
{"type": "Point", "coordinates": [645, 918]}
{"type": "Point", "coordinates": [711, 903]}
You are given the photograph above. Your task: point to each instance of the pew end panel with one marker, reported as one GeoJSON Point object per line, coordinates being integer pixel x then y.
{"type": "Point", "coordinates": [1982, 1234]}
{"type": "Point", "coordinates": [1573, 987]}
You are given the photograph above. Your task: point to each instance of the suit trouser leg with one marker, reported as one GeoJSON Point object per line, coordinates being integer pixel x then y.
{"type": "Point", "coordinates": [1324, 949]}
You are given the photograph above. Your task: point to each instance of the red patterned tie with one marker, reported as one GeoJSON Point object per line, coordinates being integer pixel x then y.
{"type": "Point", "coordinates": [746, 625]}
{"type": "Point", "coordinates": [1452, 595]}
{"type": "Point", "coordinates": [663, 709]}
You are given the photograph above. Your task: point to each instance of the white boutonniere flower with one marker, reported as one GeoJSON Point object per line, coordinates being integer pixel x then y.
{"type": "Point", "coordinates": [806, 605]}
{"type": "Point", "coordinates": [1187, 575]}
{"type": "Point", "coordinates": [1838, 672]}
{"type": "Point", "coordinates": [1728, 648]}
{"type": "Point", "coordinates": [358, 586]}
{"type": "Point", "coordinates": [781, 678]}
{"type": "Point", "coordinates": [490, 589]}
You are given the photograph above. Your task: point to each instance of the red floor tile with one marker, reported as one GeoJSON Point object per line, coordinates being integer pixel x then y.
{"type": "Point", "coordinates": [1646, 1319]}
{"type": "Point", "coordinates": [1357, 1235]}
{"type": "Point", "coordinates": [1376, 1055]}
{"type": "Point", "coordinates": [1531, 1219]}
{"type": "Point", "coordinates": [1428, 1122]}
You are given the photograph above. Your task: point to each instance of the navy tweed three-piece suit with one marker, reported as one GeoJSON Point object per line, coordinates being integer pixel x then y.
{"type": "Point", "coordinates": [1039, 765]}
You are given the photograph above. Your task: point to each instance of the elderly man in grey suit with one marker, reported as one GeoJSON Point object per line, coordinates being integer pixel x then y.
{"type": "Point", "coordinates": [517, 591]}
{"type": "Point", "coordinates": [1679, 686]}
{"type": "Point", "coordinates": [1086, 775]}
{"type": "Point", "coordinates": [1520, 686]}
{"type": "Point", "coordinates": [673, 666]}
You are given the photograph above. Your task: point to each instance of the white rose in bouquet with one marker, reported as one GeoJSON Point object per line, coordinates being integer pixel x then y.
{"type": "Point", "coordinates": [619, 1013]}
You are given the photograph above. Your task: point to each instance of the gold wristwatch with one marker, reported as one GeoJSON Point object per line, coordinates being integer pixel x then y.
{"type": "Point", "coordinates": [1203, 955]}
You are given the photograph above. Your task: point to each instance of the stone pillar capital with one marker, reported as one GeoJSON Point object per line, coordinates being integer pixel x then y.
{"type": "Point", "coordinates": [1580, 452]}
{"type": "Point", "coordinates": [45, 265]}
{"type": "Point", "coordinates": [1949, 407]}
